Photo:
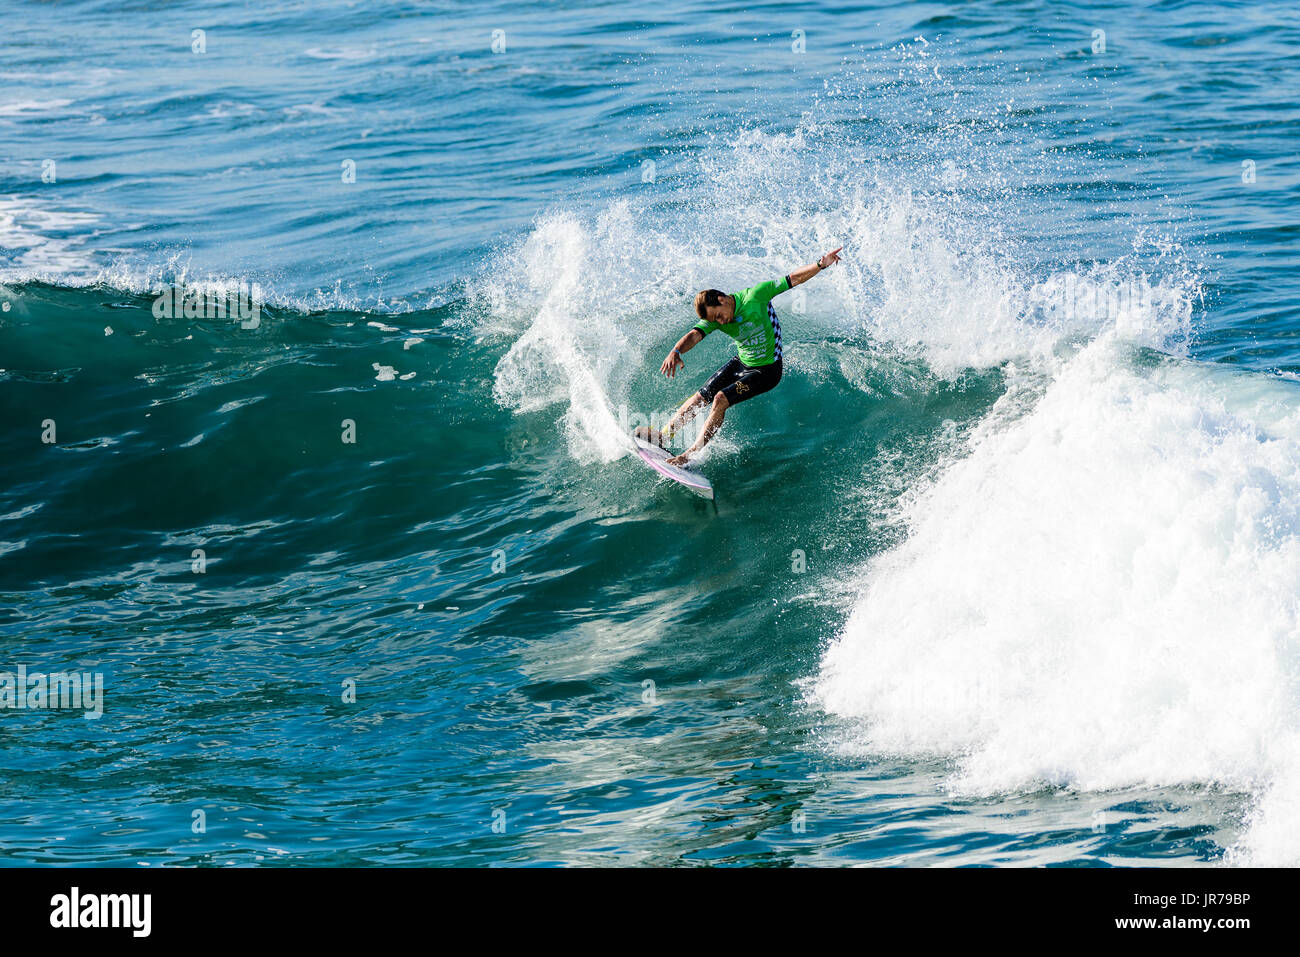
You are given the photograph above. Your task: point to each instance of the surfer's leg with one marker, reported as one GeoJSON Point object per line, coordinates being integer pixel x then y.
{"type": "Point", "coordinates": [717, 413]}
{"type": "Point", "coordinates": [747, 383]}
{"type": "Point", "coordinates": [685, 413]}
{"type": "Point", "coordinates": [717, 382]}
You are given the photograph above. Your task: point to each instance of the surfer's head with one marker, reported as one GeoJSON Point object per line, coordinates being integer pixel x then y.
{"type": "Point", "coordinates": [715, 306]}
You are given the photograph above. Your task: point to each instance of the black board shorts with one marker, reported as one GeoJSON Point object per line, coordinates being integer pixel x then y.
{"type": "Point", "coordinates": [739, 382]}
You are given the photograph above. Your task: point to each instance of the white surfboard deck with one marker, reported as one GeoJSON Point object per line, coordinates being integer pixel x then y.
{"type": "Point", "coordinates": [657, 459]}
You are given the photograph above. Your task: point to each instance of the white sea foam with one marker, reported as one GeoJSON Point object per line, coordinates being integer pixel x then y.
{"type": "Point", "coordinates": [43, 243]}
{"type": "Point", "coordinates": [582, 333]}
{"type": "Point", "coordinates": [1102, 594]}
{"type": "Point", "coordinates": [28, 108]}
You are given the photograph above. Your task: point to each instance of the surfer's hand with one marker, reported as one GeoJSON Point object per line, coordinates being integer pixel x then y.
{"type": "Point", "coordinates": [671, 364]}
{"type": "Point", "coordinates": [830, 259]}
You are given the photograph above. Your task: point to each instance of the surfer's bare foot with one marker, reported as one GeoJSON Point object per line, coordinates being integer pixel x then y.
{"type": "Point", "coordinates": [678, 459]}
{"type": "Point", "coordinates": [650, 435]}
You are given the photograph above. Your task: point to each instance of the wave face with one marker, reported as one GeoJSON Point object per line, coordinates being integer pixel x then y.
{"type": "Point", "coordinates": [1005, 571]}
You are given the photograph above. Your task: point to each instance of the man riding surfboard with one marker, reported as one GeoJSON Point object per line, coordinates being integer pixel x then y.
{"type": "Point", "coordinates": [748, 317]}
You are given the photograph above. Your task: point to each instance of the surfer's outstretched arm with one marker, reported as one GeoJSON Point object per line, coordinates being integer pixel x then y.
{"type": "Point", "coordinates": [804, 273]}
{"type": "Point", "coordinates": [674, 360]}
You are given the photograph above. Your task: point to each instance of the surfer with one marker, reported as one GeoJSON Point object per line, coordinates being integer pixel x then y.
{"type": "Point", "coordinates": [748, 317]}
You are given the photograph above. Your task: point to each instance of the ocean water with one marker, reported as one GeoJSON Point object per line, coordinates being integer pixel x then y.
{"type": "Point", "coordinates": [1006, 571]}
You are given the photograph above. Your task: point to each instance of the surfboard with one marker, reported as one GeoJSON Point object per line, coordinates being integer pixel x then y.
{"type": "Point", "coordinates": [657, 459]}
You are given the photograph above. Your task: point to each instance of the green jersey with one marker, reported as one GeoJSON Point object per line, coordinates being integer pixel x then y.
{"type": "Point", "coordinates": [755, 327]}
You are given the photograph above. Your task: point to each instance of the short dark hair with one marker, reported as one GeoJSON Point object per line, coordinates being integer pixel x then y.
{"type": "Point", "coordinates": [705, 298]}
